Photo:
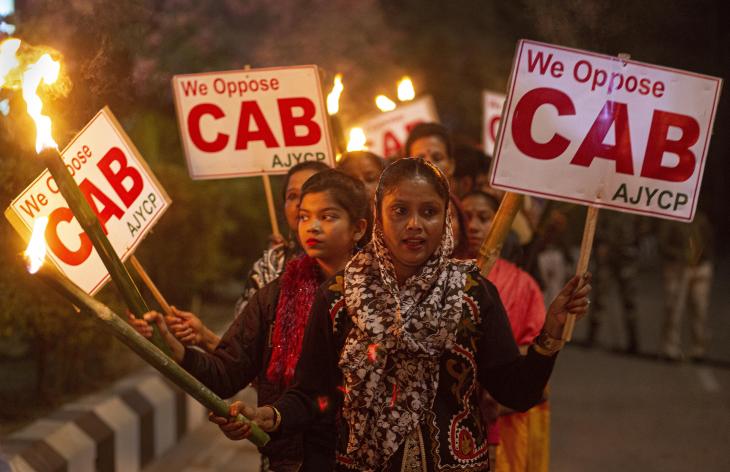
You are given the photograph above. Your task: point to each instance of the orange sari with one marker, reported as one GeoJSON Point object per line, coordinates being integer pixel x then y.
{"type": "Point", "coordinates": [524, 437]}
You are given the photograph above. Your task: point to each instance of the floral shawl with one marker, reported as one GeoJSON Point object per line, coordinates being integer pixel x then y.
{"type": "Point", "coordinates": [390, 361]}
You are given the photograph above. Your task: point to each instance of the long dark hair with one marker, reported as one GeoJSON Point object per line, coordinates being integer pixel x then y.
{"type": "Point", "coordinates": [352, 156]}
{"type": "Point", "coordinates": [461, 245]}
{"type": "Point", "coordinates": [424, 130]}
{"type": "Point", "coordinates": [316, 166]}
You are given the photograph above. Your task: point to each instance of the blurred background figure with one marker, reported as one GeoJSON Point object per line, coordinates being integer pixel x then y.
{"type": "Point", "coordinates": [616, 263]}
{"type": "Point", "coordinates": [551, 253]}
{"type": "Point", "coordinates": [432, 141]}
{"type": "Point", "coordinates": [363, 166]}
{"type": "Point", "coordinates": [687, 252]}
{"type": "Point", "coordinates": [459, 225]}
{"type": "Point", "coordinates": [471, 170]}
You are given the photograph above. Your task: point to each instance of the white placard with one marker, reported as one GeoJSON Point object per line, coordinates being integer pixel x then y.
{"type": "Point", "coordinates": [492, 103]}
{"type": "Point", "coordinates": [595, 129]}
{"type": "Point", "coordinates": [387, 132]}
{"type": "Point", "coordinates": [118, 185]}
{"type": "Point", "coordinates": [252, 122]}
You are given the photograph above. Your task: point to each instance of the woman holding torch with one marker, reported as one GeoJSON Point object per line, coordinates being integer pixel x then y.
{"type": "Point", "coordinates": [394, 353]}
{"type": "Point", "coordinates": [188, 328]}
{"type": "Point", "coordinates": [265, 339]}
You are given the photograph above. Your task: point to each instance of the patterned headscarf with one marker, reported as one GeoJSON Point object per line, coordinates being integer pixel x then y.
{"type": "Point", "coordinates": [390, 361]}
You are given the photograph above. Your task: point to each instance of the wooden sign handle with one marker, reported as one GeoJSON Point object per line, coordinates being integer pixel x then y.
{"type": "Point", "coordinates": [269, 196]}
{"type": "Point", "coordinates": [270, 205]}
{"type": "Point", "coordinates": [150, 285]}
{"type": "Point", "coordinates": [492, 245]}
{"type": "Point", "coordinates": [589, 231]}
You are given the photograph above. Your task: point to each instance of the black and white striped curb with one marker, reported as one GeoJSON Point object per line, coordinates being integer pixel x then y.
{"type": "Point", "coordinates": [121, 429]}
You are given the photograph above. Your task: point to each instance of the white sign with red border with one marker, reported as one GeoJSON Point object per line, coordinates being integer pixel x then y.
{"type": "Point", "coordinates": [387, 132]}
{"type": "Point", "coordinates": [252, 122]}
{"type": "Point", "coordinates": [595, 129]}
{"type": "Point", "coordinates": [492, 104]}
{"type": "Point", "coordinates": [118, 185]}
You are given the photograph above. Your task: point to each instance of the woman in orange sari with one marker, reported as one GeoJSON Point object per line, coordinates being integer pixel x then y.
{"type": "Point", "coordinates": [523, 437]}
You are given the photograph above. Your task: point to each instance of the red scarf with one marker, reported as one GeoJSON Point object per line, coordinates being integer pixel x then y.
{"type": "Point", "coordinates": [299, 283]}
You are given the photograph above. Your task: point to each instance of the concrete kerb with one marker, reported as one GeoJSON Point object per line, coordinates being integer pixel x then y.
{"type": "Point", "coordinates": [122, 428]}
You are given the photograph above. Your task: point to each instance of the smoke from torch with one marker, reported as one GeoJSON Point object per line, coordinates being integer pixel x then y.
{"type": "Point", "coordinates": [23, 66]}
{"type": "Point", "coordinates": [8, 57]}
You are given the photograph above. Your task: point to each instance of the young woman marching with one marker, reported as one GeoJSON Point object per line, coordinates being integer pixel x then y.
{"type": "Point", "coordinates": [264, 342]}
{"type": "Point", "coordinates": [188, 328]}
{"type": "Point", "coordinates": [394, 353]}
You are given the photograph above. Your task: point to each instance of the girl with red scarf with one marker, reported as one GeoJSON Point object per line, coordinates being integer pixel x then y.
{"type": "Point", "coordinates": [265, 340]}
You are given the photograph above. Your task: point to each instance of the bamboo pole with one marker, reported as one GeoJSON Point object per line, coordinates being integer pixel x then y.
{"type": "Point", "coordinates": [492, 245]}
{"type": "Point", "coordinates": [150, 285]}
{"type": "Point", "coordinates": [90, 224]}
{"type": "Point", "coordinates": [271, 207]}
{"type": "Point", "coordinates": [589, 231]}
{"type": "Point", "coordinates": [154, 356]}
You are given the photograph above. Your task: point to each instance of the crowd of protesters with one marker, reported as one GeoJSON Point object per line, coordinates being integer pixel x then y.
{"type": "Point", "coordinates": [375, 344]}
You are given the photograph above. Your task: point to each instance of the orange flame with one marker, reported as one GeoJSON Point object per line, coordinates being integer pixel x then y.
{"type": "Point", "coordinates": [406, 91]}
{"type": "Point", "coordinates": [25, 67]}
{"type": "Point", "coordinates": [357, 141]}
{"type": "Point", "coordinates": [333, 98]}
{"type": "Point", "coordinates": [44, 70]}
{"type": "Point", "coordinates": [35, 253]}
{"type": "Point", "coordinates": [384, 103]}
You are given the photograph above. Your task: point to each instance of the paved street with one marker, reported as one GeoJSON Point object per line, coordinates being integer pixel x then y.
{"type": "Point", "coordinates": [208, 450]}
{"type": "Point", "coordinates": [611, 412]}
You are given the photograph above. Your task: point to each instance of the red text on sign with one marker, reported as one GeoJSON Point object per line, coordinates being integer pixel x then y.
{"type": "Point", "coordinates": [613, 114]}
{"type": "Point", "coordinates": [585, 72]}
{"type": "Point", "coordinates": [127, 184]}
{"type": "Point", "coordinates": [296, 115]}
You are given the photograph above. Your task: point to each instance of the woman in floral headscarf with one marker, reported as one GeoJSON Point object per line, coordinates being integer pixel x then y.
{"type": "Point", "coordinates": [396, 345]}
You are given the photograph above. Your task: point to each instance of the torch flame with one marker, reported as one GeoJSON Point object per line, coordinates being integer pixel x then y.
{"type": "Point", "coordinates": [406, 91]}
{"type": "Point", "coordinates": [384, 103]}
{"type": "Point", "coordinates": [333, 98]}
{"type": "Point", "coordinates": [46, 70]}
{"type": "Point", "coordinates": [35, 253]}
{"type": "Point", "coordinates": [357, 141]}
{"type": "Point", "coordinates": [8, 57]}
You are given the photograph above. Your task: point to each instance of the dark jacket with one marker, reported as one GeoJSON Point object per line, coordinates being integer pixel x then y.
{"type": "Point", "coordinates": [453, 437]}
{"type": "Point", "coordinates": [243, 357]}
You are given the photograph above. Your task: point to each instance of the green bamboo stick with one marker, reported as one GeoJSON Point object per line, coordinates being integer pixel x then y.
{"type": "Point", "coordinates": [154, 356]}
{"type": "Point", "coordinates": [90, 224]}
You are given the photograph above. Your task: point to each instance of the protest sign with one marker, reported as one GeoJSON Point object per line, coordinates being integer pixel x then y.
{"type": "Point", "coordinates": [387, 133]}
{"type": "Point", "coordinates": [253, 121]}
{"type": "Point", "coordinates": [492, 108]}
{"type": "Point", "coordinates": [599, 130]}
{"type": "Point", "coordinates": [120, 188]}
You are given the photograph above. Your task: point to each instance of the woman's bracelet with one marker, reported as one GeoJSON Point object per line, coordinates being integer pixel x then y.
{"type": "Point", "coordinates": [277, 417]}
{"type": "Point", "coordinates": [547, 345]}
